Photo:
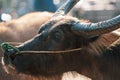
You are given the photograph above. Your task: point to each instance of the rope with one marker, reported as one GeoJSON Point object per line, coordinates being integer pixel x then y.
{"type": "Point", "coordinates": [6, 47]}
{"type": "Point", "coordinates": [53, 52]}
{"type": "Point", "coordinates": [49, 52]}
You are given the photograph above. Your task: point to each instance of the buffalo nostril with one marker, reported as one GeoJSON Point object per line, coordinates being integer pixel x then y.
{"type": "Point", "coordinates": [10, 54]}
{"type": "Point", "coordinates": [9, 51]}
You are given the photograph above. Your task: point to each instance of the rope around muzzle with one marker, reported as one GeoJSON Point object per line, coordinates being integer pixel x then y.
{"type": "Point", "coordinates": [7, 46]}
{"type": "Point", "coordinates": [50, 52]}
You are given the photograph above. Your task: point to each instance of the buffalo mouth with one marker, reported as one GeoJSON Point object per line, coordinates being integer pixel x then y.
{"type": "Point", "coordinates": [7, 65]}
{"type": "Point", "coordinates": [8, 57]}
{"type": "Point", "coordinates": [7, 61]}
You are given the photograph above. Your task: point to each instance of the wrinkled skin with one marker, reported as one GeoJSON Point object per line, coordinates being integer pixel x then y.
{"type": "Point", "coordinates": [93, 60]}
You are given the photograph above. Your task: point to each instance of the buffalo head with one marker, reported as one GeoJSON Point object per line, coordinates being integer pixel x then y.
{"type": "Point", "coordinates": [62, 33]}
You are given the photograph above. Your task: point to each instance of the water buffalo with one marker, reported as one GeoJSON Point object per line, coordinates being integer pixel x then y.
{"type": "Point", "coordinates": [20, 30]}
{"type": "Point", "coordinates": [65, 44]}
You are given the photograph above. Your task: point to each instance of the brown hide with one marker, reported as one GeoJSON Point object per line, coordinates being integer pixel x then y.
{"type": "Point", "coordinates": [20, 30]}
{"type": "Point", "coordinates": [92, 61]}
{"type": "Point", "coordinates": [62, 36]}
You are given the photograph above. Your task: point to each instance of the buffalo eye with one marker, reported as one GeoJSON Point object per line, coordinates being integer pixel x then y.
{"type": "Point", "coordinates": [57, 36]}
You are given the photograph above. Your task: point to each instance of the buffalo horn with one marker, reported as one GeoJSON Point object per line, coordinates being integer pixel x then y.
{"type": "Point", "coordinates": [65, 8]}
{"type": "Point", "coordinates": [96, 29]}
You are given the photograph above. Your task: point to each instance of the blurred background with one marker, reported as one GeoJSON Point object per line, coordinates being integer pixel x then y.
{"type": "Point", "coordinates": [93, 10]}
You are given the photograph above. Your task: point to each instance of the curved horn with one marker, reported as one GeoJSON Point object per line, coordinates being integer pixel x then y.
{"type": "Point", "coordinates": [65, 8]}
{"type": "Point", "coordinates": [94, 29]}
